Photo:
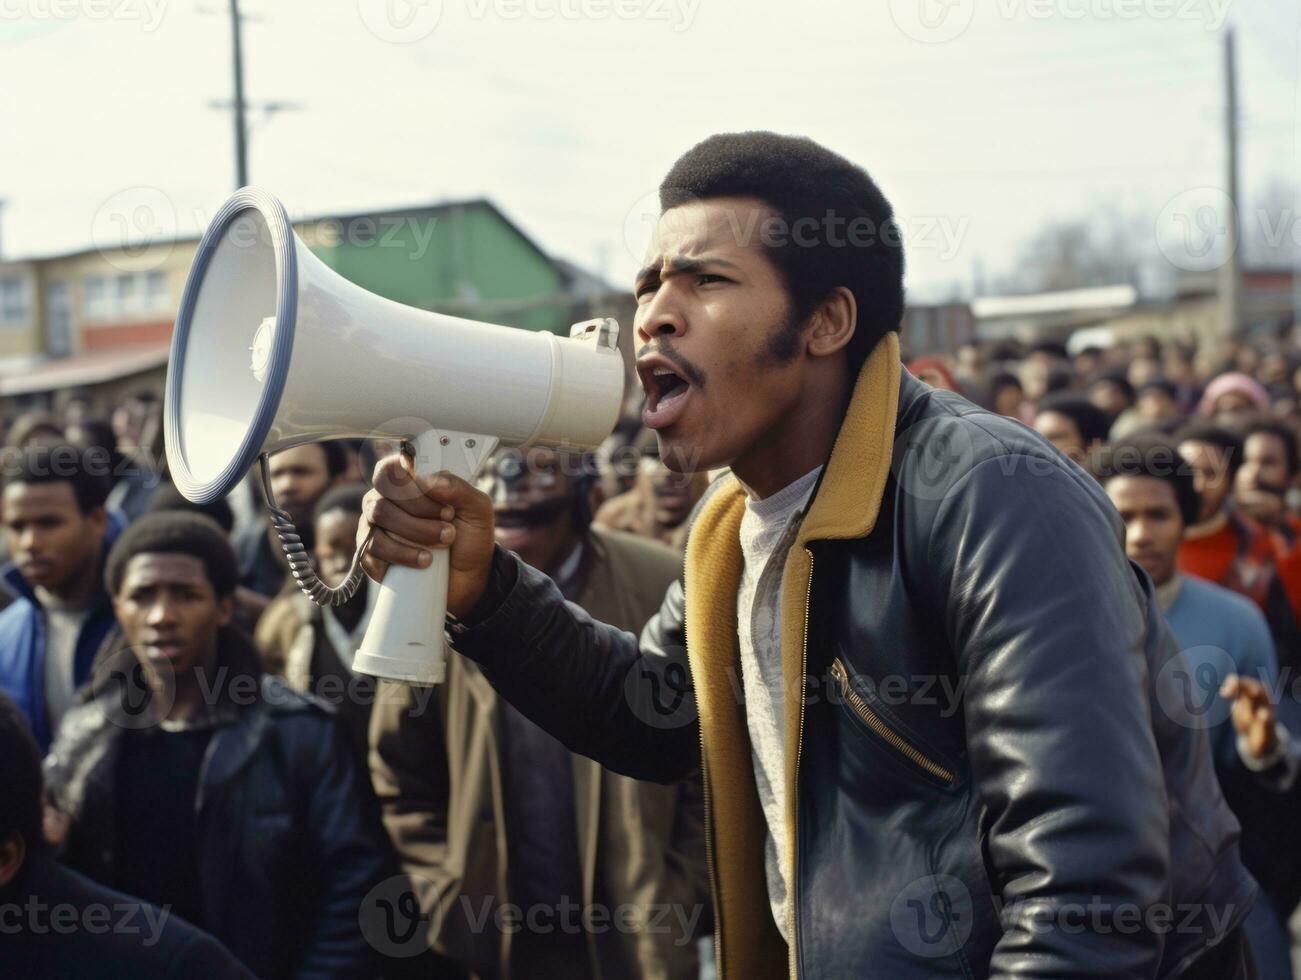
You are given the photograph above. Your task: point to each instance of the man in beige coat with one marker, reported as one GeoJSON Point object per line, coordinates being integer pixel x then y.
{"type": "Point", "coordinates": [530, 861]}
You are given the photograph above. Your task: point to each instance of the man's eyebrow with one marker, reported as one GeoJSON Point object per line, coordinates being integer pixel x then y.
{"type": "Point", "coordinates": [677, 266]}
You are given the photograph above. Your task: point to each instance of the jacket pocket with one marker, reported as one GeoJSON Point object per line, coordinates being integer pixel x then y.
{"type": "Point", "coordinates": [870, 718]}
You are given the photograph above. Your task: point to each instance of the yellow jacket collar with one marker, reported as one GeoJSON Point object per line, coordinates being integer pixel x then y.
{"type": "Point", "coordinates": [849, 495]}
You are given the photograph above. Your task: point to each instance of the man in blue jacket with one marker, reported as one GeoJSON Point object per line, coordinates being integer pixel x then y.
{"type": "Point", "coordinates": [58, 530]}
{"type": "Point", "coordinates": [187, 778]}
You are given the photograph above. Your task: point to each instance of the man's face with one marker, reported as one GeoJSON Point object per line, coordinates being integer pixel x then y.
{"type": "Point", "coordinates": [1156, 405]}
{"type": "Point", "coordinates": [1262, 481]}
{"type": "Point", "coordinates": [1143, 369]}
{"type": "Point", "coordinates": [533, 502]}
{"type": "Point", "coordinates": [169, 612]}
{"type": "Point", "coordinates": [669, 495]}
{"type": "Point", "coordinates": [713, 320]}
{"type": "Point", "coordinates": [1109, 397]}
{"type": "Point", "coordinates": [1086, 362]}
{"type": "Point", "coordinates": [1062, 433]}
{"type": "Point", "coordinates": [336, 540]}
{"type": "Point", "coordinates": [1008, 399]}
{"type": "Point", "coordinates": [298, 478]}
{"type": "Point", "coordinates": [1273, 369]}
{"type": "Point", "coordinates": [1232, 407]}
{"type": "Point", "coordinates": [1034, 376]}
{"type": "Point", "coordinates": [53, 543]}
{"type": "Point", "coordinates": [1153, 526]}
{"type": "Point", "coordinates": [1210, 475]}
{"type": "Point", "coordinates": [970, 360]}
{"type": "Point", "coordinates": [1264, 464]}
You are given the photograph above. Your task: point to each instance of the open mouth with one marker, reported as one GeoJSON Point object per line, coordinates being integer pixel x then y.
{"type": "Point", "coordinates": [666, 396]}
{"type": "Point", "coordinates": [165, 650]}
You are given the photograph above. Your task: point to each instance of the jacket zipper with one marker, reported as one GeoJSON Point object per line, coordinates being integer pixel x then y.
{"type": "Point", "coordinates": [715, 887]}
{"type": "Point", "coordinates": [799, 751]}
{"type": "Point", "coordinates": [882, 730]}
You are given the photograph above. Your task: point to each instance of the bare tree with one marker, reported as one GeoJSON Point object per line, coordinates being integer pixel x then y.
{"type": "Point", "coordinates": [1105, 248]}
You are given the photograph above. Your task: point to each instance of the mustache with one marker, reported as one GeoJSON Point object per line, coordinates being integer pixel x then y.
{"type": "Point", "coordinates": [684, 367]}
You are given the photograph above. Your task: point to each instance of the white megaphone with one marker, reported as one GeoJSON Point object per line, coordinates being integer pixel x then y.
{"type": "Point", "coordinates": [272, 349]}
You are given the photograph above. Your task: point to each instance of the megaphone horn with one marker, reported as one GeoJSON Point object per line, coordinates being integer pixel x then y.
{"type": "Point", "coordinates": [273, 349]}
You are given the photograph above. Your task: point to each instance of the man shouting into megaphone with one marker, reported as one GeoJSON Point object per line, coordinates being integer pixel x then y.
{"type": "Point", "coordinates": [906, 648]}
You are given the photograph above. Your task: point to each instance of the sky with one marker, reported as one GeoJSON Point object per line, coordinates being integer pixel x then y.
{"type": "Point", "coordinates": [982, 120]}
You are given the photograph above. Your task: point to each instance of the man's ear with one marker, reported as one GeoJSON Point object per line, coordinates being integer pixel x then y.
{"type": "Point", "coordinates": [13, 850]}
{"type": "Point", "coordinates": [225, 609]}
{"type": "Point", "coordinates": [98, 519]}
{"type": "Point", "coordinates": [833, 323]}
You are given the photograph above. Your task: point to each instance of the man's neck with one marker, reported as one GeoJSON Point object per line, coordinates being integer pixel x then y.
{"type": "Point", "coordinates": [1168, 591]}
{"type": "Point", "coordinates": [80, 591]}
{"type": "Point", "coordinates": [1211, 525]}
{"type": "Point", "coordinates": [800, 442]}
{"type": "Point", "coordinates": [561, 565]}
{"type": "Point", "coordinates": [191, 690]}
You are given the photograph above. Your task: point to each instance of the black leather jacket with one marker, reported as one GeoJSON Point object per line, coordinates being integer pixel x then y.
{"type": "Point", "coordinates": [987, 781]}
{"type": "Point", "coordinates": [288, 845]}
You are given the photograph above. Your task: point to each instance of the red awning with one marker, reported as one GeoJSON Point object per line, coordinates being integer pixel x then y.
{"type": "Point", "coordinates": [91, 368]}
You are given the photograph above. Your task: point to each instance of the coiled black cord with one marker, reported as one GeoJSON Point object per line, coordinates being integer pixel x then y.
{"type": "Point", "coordinates": [300, 563]}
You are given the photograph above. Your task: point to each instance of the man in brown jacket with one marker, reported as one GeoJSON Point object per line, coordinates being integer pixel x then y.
{"type": "Point", "coordinates": [659, 502]}
{"type": "Point", "coordinates": [531, 861]}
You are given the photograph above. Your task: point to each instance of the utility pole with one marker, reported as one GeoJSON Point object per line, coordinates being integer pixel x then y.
{"type": "Point", "coordinates": [1230, 275]}
{"type": "Point", "coordinates": [239, 105]}
{"type": "Point", "coordinates": [241, 135]}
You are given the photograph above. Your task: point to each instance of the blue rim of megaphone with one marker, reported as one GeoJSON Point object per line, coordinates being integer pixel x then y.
{"type": "Point", "coordinates": [277, 370]}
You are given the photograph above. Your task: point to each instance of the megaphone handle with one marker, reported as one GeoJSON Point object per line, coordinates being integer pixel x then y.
{"type": "Point", "coordinates": [404, 639]}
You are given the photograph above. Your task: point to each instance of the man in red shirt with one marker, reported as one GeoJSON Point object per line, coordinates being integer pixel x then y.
{"type": "Point", "coordinates": [1269, 467]}
{"type": "Point", "coordinates": [1224, 546]}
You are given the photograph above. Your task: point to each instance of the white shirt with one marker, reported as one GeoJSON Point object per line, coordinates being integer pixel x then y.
{"type": "Point", "coordinates": [346, 643]}
{"type": "Point", "coordinates": [768, 529]}
{"type": "Point", "coordinates": [62, 628]}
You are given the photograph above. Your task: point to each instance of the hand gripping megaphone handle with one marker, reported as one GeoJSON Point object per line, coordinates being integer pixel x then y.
{"type": "Point", "coordinates": [404, 640]}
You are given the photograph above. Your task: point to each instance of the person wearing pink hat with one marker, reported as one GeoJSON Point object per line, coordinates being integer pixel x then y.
{"type": "Point", "coordinates": [1231, 397]}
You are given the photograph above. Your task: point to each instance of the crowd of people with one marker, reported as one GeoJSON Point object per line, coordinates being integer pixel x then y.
{"type": "Point", "coordinates": [182, 733]}
{"type": "Point", "coordinates": [1198, 452]}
